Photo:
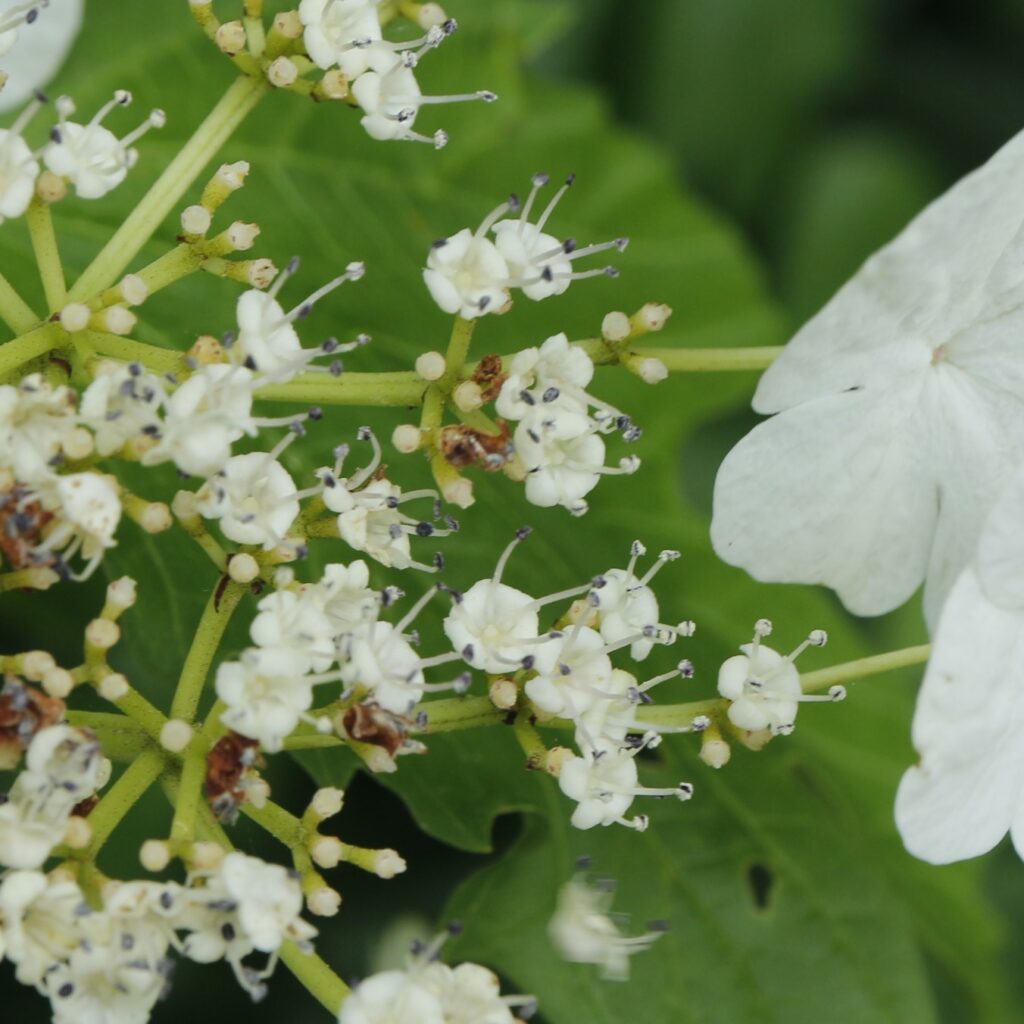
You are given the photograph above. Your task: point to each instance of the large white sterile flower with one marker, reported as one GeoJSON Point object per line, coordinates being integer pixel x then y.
{"type": "Point", "coordinates": [32, 53]}
{"type": "Point", "coordinates": [967, 791]}
{"type": "Point", "coordinates": [900, 411]}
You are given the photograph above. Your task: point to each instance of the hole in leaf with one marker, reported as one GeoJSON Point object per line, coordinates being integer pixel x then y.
{"type": "Point", "coordinates": [761, 880]}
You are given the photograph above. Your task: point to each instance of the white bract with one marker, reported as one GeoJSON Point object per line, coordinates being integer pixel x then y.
{"type": "Point", "coordinates": [967, 791]}
{"type": "Point", "coordinates": [899, 411]}
{"type": "Point", "coordinates": [34, 41]}
{"type": "Point", "coordinates": [584, 931]}
{"type": "Point", "coordinates": [90, 156]}
{"type": "Point", "coordinates": [764, 686]}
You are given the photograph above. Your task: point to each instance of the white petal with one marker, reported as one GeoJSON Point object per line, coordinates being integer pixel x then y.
{"type": "Point", "coordinates": [1000, 558]}
{"type": "Point", "coordinates": [836, 491]}
{"type": "Point", "coordinates": [911, 296]}
{"type": "Point", "coordinates": [39, 51]}
{"type": "Point", "coordinates": [969, 729]}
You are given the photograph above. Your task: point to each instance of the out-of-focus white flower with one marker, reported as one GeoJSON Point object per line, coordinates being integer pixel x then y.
{"type": "Point", "coordinates": [90, 156]}
{"type": "Point", "coordinates": [38, 922]}
{"type": "Point", "coordinates": [19, 166]}
{"type": "Point", "coordinates": [899, 412]}
{"type": "Point", "coordinates": [34, 46]}
{"type": "Point", "coordinates": [584, 931]}
{"type": "Point", "coordinates": [87, 512]}
{"type": "Point", "coordinates": [36, 420]}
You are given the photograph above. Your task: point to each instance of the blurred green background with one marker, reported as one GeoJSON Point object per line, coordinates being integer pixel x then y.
{"type": "Point", "coordinates": [756, 151]}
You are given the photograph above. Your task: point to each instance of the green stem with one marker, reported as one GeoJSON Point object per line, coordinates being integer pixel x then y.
{"type": "Point", "coordinates": [242, 95]}
{"type": "Point", "coordinates": [181, 261]}
{"type": "Point", "coordinates": [14, 310]}
{"type": "Point", "coordinates": [29, 346]}
{"type": "Point", "coordinates": [122, 738]}
{"type": "Point", "coordinates": [813, 682]}
{"type": "Point", "coordinates": [458, 713]}
{"type": "Point", "coordinates": [216, 616]}
{"type": "Point", "coordinates": [161, 360]}
{"type": "Point", "coordinates": [190, 791]}
{"type": "Point", "coordinates": [120, 799]}
{"type": "Point", "coordinates": [44, 244]}
{"type": "Point", "coordinates": [402, 388]}
{"type": "Point", "coordinates": [711, 360]}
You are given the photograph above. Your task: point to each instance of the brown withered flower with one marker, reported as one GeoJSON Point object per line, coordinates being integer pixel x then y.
{"type": "Point", "coordinates": [24, 710]}
{"type": "Point", "coordinates": [228, 763]}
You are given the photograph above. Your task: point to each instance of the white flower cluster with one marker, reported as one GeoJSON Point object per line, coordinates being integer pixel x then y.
{"type": "Point", "coordinates": [569, 673]}
{"type": "Point", "coordinates": [347, 35]}
{"type": "Point", "coordinates": [892, 457]}
{"type": "Point", "coordinates": [430, 992]}
{"type": "Point", "coordinates": [324, 632]}
{"type": "Point", "coordinates": [559, 424]}
{"type": "Point", "coordinates": [113, 963]}
{"type": "Point", "coordinates": [51, 517]}
{"type": "Point", "coordinates": [469, 274]}
{"type": "Point", "coordinates": [584, 930]}
{"type": "Point", "coordinates": [87, 156]}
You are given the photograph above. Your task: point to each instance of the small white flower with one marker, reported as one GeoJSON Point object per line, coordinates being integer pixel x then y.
{"type": "Point", "coordinates": [540, 264]}
{"type": "Point", "coordinates": [212, 409]}
{"type": "Point", "coordinates": [584, 931]}
{"type": "Point", "coordinates": [90, 156]}
{"type": "Point", "coordinates": [466, 274]}
{"type": "Point", "coordinates": [296, 622]}
{"type": "Point", "coordinates": [764, 686]}
{"type": "Point", "coordinates": [574, 671]}
{"type": "Point", "coordinates": [246, 905]}
{"type": "Point", "coordinates": [391, 97]}
{"type": "Point", "coordinates": [555, 364]}
{"type": "Point", "coordinates": [267, 340]}
{"type": "Point", "coordinates": [19, 166]}
{"type": "Point", "coordinates": [36, 419]}
{"type": "Point", "coordinates": [39, 922]}
{"type": "Point", "coordinates": [338, 33]}
{"type": "Point", "coordinates": [87, 511]}
{"type": "Point", "coordinates": [471, 994]}
{"type": "Point", "coordinates": [34, 41]}
{"type": "Point", "coordinates": [391, 997]}
{"type": "Point", "coordinates": [267, 694]}
{"type": "Point", "coordinates": [965, 794]}
{"type": "Point", "coordinates": [254, 499]}
{"type": "Point", "coordinates": [345, 596]}
{"type": "Point", "coordinates": [898, 412]}
{"type": "Point", "coordinates": [121, 404]}
{"type": "Point", "coordinates": [380, 659]}
{"type": "Point", "coordinates": [563, 458]}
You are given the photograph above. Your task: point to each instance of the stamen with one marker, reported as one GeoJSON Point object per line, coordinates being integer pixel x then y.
{"type": "Point", "coordinates": [521, 534]}
{"type": "Point", "coordinates": [554, 202]}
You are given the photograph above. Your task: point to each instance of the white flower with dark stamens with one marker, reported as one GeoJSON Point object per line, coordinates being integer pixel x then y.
{"type": "Point", "coordinates": [967, 791]}
{"type": "Point", "coordinates": [466, 274]}
{"type": "Point", "coordinates": [121, 404]}
{"type": "Point", "coordinates": [764, 686]}
{"type": "Point", "coordinates": [267, 340]}
{"type": "Point", "coordinates": [212, 409]}
{"type": "Point", "coordinates": [604, 782]}
{"type": "Point", "coordinates": [899, 412]}
{"type": "Point", "coordinates": [338, 33]}
{"type": "Point", "coordinates": [267, 694]}
{"type": "Point", "coordinates": [36, 419]}
{"type": "Point", "coordinates": [19, 166]}
{"type": "Point", "coordinates": [574, 672]}
{"type": "Point", "coordinates": [253, 497]}
{"type": "Point", "coordinates": [34, 42]}
{"type": "Point", "coordinates": [63, 766]}
{"type": "Point", "coordinates": [380, 659]}
{"type": "Point", "coordinates": [608, 721]}
{"type": "Point", "coordinates": [296, 622]}
{"type": "Point", "coordinates": [584, 930]}
{"type": "Point", "coordinates": [493, 626]}
{"type": "Point", "coordinates": [345, 597]}
{"type": "Point", "coordinates": [246, 905]}
{"type": "Point", "coordinates": [118, 970]}
{"type": "Point", "coordinates": [391, 997]}
{"type": "Point", "coordinates": [90, 156]}
{"type": "Point", "coordinates": [39, 919]}
{"type": "Point", "coordinates": [540, 264]}
{"type": "Point", "coordinates": [557, 365]}
{"type": "Point", "coordinates": [369, 518]}
{"type": "Point", "coordinates": [624, 605]}
{"type": "Point", "coordinates": [391, 97]}
{"type": "Point", "coordinates": [87, 510]}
